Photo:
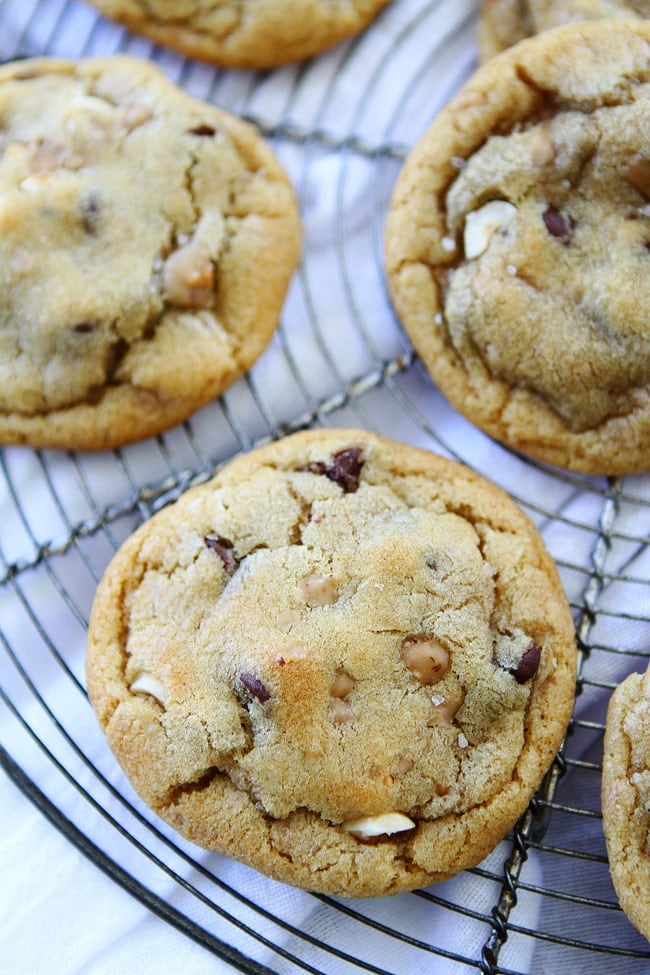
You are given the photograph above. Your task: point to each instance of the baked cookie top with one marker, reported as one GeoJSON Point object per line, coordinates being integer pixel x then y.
{"type": "Point", "coordinates": [518, 247]}
{"type": "Point", "coordinates": [345, 661]}
{"type": "Point", "coordinates": [245, 33]}
{"type": "Point", "coordinates": [147, 241]}
{"type": "Point", "coordinates": [505, 22]}
{"type": "Point", "coordinates": [626, 796]}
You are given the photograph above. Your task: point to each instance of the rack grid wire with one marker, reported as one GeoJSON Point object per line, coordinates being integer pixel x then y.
{"type": "Point", "coordinates": [342, 125]}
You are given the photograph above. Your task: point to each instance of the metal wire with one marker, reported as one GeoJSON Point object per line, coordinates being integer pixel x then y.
{"type": "Point", "coordinates": [344, 121]}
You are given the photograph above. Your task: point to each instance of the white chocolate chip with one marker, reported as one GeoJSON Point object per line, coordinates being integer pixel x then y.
{"type": "Point", "coordinates": [481, 225]}
{"type": "Point", "coordinates": [426, 658]}
{"type": "Point", "coordinates": [146, 683]}
{"type": "Point", "coordinates": [385, 824]}
{"type": "Point", "coordinates": [319, 590]}
{"type": "Point", "coordinates": [462, 741]}
{"type": "Point", "coordinates": [287, 618]}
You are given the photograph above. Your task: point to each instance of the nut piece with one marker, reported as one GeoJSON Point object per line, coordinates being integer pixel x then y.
{"type": "Point", "coordinates": [342, 684]}
{"type": "Point", "coordinates": [188, 277]}
{"type": "Point", "coordinates": [146, 683]}
{"type": "Point", "coordinates": [341, 709]}
{"type": "Point", "coordinates": [426, 658]}
{"type": "Point", "coordinates": [319, 590]}
{"type": "Point", "coordinates": [481, 225]}
{"type": "Point", "coordinates": [385, 824]}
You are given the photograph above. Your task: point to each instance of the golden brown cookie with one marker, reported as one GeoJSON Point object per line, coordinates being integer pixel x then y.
{"type": "Point", "coordinates": [505, 22]}
{"type": "Point", "coordinates": [147, 242]}
{"type": "Point", "coordinates": [518, 247]}
{"type": "Point", "coordinates": [245, 33]}
{"type": "Point", "coordinates": [345, 661]}
{"type": "Point", "coordinates": [626, 796]}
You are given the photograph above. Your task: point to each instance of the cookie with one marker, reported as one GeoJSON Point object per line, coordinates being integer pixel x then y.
{"type": "Point", "coordinates": [626, 796]}
{"type": "Point", "coordinates": [345, 661]}
{"type": "Point", "coordinates": [518, 247]}
{"type": "Point", "coordinates": [147, 242]}
{"type": "Point", "coordinates": [503, 23]}
{"type": "Point", "coordinates": [245, 33]}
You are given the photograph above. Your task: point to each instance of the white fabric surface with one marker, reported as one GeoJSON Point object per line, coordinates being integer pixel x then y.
{"type": "Point", "coordinates": [58, 913]}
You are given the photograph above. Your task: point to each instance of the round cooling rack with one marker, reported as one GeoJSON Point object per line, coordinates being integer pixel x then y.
{"type": "Point", "coordinates": [341, 124]}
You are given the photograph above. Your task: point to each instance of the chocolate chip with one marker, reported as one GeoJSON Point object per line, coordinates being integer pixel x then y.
{"type": "Point", "coordinates": [255, 687]}
{"type": "Point", "coordinates": [344, 470]}
{"type": "Point", "coordinates": [83, 328]}
{"type": "Point", "coordinates": [224, 549]}
{"type": "Point", "coordinates": [557, 224]}
{"type": "Point", "coordinates": [202, 130]}
{"type": "Point", "coordinates": [527, 666]}
{"type": "Point", "coordinates": [90, 212]}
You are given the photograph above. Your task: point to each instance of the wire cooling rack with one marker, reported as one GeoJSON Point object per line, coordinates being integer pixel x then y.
{"type": "Point", "coordinates": [342, 125]}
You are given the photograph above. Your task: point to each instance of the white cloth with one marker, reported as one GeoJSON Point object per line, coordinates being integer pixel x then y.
{"type": "Point", "coordinates": [59, 914]}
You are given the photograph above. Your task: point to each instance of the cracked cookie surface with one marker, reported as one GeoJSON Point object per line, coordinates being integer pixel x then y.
{"type": "Point", "coordinates": [626, 796]}
{"type": "Point", "coordinates": [147, 243]}
{"type": "Point", "coordinates": [518, 243]}
{"type": "Point", "coordinates": [344, 661]}
{"type": "Point", "coordinates": [245, 33]}
{"type": "Point", "coordinates": [505, 22]}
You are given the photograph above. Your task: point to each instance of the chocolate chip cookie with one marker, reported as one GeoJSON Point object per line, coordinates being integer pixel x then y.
{"type": "Point", "coordinates": [147, 241]}
{"type": "Point", "coordinates": [518, 247]}
{"type": "Point", "coordinates": [505, 22]}
{"type": "Point", "coordinates": [345, 661]}
{"type": "Point", "coordinates": [245, 33]}
{"type": "Point", "coordinates": [626, 796]}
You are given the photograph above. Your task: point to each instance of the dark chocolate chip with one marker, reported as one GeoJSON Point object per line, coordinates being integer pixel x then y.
{"type": "Point", "coordinates": [527, 666]}
{"type": "Point", "coordinates": [255, 687]}
{"type": "Point", "coordinates": [224, 549]}
{"type": "Point", "coordinates": [202, 130]}
{"type": "Point", "coordinates": [90, 212]}
{"type": "Point", "coordinates": [83, 328]}
{"type": "Point", "coordinates": [346, 469]}
{"type": "Point", "coordinates": [557, 224]}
